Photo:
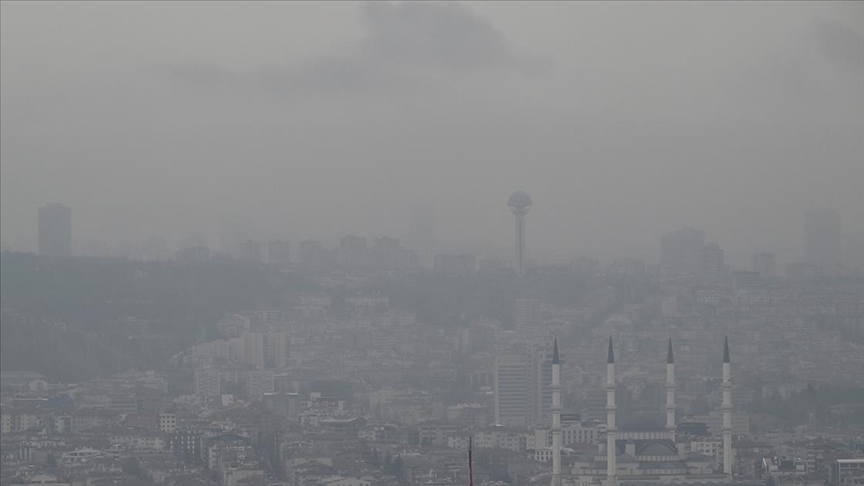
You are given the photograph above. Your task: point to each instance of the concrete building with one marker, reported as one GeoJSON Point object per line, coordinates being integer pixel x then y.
{"type": "Point", "coordinates": [275, 349]}
{"type": "Point", "coordinates": [353, 251]}
{"type": "Point", "coordinates": [55, 230]}
{"type": "Point", "coordinates": [168, 422]}
{"type": "Point", "coordinates": [279, 253]}
{"type": "Point", "coordinates": [523, 387]}
{"type": "Point", "coordinates": [528, 314]}
{"type": "Point", "coordinates": [714, 268]}
{"type": "Point", "coordinates": [764, 263]}
{"type": "Point", "coordinates": [254, 349]}
{"type": "Point", "coordinates": [260, 383]}
{"type": "Point", "coordinates": [250, 251]}
{"type": "Point", "coordinates": [207, 383]}
{"type": "Point", "coordinates": [512, 384]}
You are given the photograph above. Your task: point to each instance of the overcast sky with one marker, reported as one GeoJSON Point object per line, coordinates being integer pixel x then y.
{"type": "Point", "coordinates": [622, 120]}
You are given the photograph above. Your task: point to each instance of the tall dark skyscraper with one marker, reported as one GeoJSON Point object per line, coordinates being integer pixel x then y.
{"type": "Point", "coordinates": [55, 230]}
{"type": "Point", "coordinates": [822, 236]}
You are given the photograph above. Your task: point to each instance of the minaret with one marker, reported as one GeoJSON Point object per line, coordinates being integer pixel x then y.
{"type": "Point", "coordinates": [611, 450]}
{"type": "Point", "coordinates": [670, 391]}
{"type": "Point", "coordinates": [727, 411]}
{"type": "Point", "coordinates": [556, 416]}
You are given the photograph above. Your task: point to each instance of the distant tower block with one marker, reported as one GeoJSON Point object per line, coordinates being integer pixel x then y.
{"type": "Point", "coordinates": [520, 202]}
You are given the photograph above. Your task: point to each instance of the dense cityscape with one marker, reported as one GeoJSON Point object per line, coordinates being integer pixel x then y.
{"type": "Point", "coordinates": [432, 243]}
{"type": "Point", "coordinates": [358, 366]}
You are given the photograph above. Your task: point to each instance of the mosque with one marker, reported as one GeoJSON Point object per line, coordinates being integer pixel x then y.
{"type": "Point", "coordinates": [644, 450]}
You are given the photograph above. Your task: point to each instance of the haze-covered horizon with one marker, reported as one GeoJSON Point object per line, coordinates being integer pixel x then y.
{"type": "Point", "coordinates": [623, 121]}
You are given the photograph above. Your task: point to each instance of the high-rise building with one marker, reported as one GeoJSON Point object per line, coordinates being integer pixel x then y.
{"type": "Point", "coordinates": [764, 263]}
{"type": "Point", "coordinates": [250, 251]}
{"type": "Point", "coordinates": [207, 383]}
{"type": "Point", "coordinates": [523, 387]}
{"type": "Point", "coordinates": [520, 202]}
{"type": "Point", "coordinates": [55, 230]}
{"type": "Point", "coordinates": [275, 350]}
{"type": "Point", "coordinates": [822, 236]}
{"type": "Point", "coordinates": [528, 315]}
{"type": "Point", "coordinates": [512, 385]}
{"type": "Point", "coordinates": [681, 252]}
{"type": "Point", "coordinates": [260, 382]}
{"type": "Point", "coordinates": [193, 254]}
{"type": "Point", "coordinates": [279, 253]}
{"type": "Point", "coordinates": [353, 251]}
{"type": "Point", "coordinates": [713, 268]}
{"type": "Point", "coordinates": [254, 349]}
{"type": "Point", "coordinates": [313, 255]}
{"type": "Point", "coordinates": [540, 360]}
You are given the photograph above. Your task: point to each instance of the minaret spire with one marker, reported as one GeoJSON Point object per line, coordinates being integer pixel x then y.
{"type": "Point", "coordinates": [727, 410]}
{"type": "Point", "coordinates": [611, 449]}
{"type": "Point", "coordinates": [556, 416]}
{"type": "Point", "coordinates": [670, 390]}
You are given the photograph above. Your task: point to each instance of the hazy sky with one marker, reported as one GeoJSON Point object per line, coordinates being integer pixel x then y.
{"type": "Point", "coordinates": [622, 120]}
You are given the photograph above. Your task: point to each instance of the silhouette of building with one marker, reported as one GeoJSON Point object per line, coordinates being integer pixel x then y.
{"type": "Point", "coordinates": [764, 263]}
{"type": "Point", "coordinates": [313, 255]}
{"type": "Point", "coordinates": [714, 268]}
{"type": "Point", "coordinates": [55, 230]}
{"type": "Point", "coordinates": [353, 251]}
{"type": "Point", "coordinates": [279, 253]}
{"type": "Point", "coordinates": [250, 251]}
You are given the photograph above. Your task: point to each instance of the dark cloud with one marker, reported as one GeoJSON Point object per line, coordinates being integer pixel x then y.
{"type": "Point", "coordinates": [446, 35]}
{"type": "Point", "coordinates": [407, 45]}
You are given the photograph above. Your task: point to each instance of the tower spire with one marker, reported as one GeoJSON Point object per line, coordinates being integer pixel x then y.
{"type": "Point", "coordinates": [670, 391]}
{"type": "Point", "coordinates": [611, 449]}
{"type": "Point", "coordinates": [556, 416]}
{"type": "Point", "coordinates": [727, 410]}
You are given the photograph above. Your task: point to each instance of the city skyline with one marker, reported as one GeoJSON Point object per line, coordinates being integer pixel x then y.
{"type": "Point", "coordinates": [292, 243]}
{"type": "Point", "coordinates": [741, 153]}
{"type": "Point", "coordinates": [684, 249]}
